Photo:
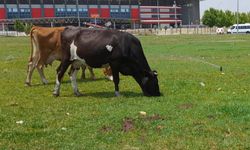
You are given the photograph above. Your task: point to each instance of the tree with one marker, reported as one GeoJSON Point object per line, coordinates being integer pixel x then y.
{"type": "Point", "coordinates": [19, 26]}
{"type": "Point", "coordinates": [229, 18]}
{"type": "Point", "coordinates": [220, 19]}
{"type": "Point", "coordinates": [209, 17]}
{"type": "Point", "coordinates": [243, 18]}
{"type": "Point", "coordinates": [27, 28]}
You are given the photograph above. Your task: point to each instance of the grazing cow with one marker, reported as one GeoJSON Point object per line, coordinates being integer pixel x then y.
{"type": "Point", "coordinates": [96, 48]}
{"type": "Point", "coordinates": [45, 48]}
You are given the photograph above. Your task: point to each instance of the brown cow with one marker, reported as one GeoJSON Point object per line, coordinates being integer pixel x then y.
{"type": "Point", "coordinates": [45, 48]}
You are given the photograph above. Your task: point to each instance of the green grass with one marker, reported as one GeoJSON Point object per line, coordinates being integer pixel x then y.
{"type": "Point", "coordinates": [187, 116]}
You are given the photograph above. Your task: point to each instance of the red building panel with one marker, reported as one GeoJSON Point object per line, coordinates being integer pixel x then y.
{"type": "Point", "coordinates": [93, 12]}
{"type": "Point", "coordinates": [2, 13]}
{"type": "Point", "coordinates": [105, 13]}
{"type": "Point", "coordinates": [135, 13]}
{"type": "Point", "coordinates": [36, 12]}
{"type": "Point", "coordinates": [49, 12]}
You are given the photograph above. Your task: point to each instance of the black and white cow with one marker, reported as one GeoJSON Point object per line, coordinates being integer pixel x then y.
{"type": "Point", "coordinates": [97, 48]}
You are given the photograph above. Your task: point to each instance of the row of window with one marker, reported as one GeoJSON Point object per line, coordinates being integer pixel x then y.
{"type": "Point", "coordinates": [71, 9]}
{"type": "Point", "coordinates": [91, 2]}
{"type": "Point", "coordinates": [113, 10]}
{"type": "Point", "coordinates": [116, 10]}
{"type": "Point", "coordinates": [244, 27]}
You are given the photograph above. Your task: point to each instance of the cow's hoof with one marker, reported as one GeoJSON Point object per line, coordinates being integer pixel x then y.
{"type": "Point", "coordinates": [27, 84]}
{"type": "Point", "coordinates": [117, 94]}
{"type": "Point", "coordinates": [45, 82]}
{"type": "Point", "coordinates": [110, 78]}
{"type": "Point", "coordinates": [93, 78]}
{"type": "Point", "coordinates": [78, 94]}
{"type": "Point", "coordinates": [55, 94]}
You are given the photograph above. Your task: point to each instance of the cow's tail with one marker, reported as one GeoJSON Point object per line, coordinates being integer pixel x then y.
{"type": "Point", "coordinates": [32, 44]}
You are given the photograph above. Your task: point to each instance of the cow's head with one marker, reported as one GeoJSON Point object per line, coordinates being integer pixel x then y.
{"type": "Point", "coordinates": [150, 84]}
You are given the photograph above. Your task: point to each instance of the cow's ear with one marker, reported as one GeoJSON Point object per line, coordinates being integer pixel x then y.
{"type": "Point", "coordinates": [155, 73]}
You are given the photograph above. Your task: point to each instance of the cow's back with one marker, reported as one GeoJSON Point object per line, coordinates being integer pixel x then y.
{"type": "Point", "coordinates": [46, 42]}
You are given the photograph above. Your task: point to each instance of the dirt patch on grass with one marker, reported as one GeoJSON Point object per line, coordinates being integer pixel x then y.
{"type": "Point", "coordinates": [127, 125]}
{"type": "Point", "coordinates": [106, 129]}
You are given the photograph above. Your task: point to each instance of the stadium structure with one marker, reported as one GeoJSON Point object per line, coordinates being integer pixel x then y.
{"type": "Point", "coordinates": [133, 13]}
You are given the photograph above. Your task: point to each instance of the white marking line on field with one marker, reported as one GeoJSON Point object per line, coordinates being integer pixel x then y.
{"type": "Point", "coordinates": [172, 57]}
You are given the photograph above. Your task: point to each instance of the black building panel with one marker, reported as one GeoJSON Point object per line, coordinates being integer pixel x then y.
{"type": "Point", "coordinates": [103, 2]}
{"type": "Point", "coordinates": [114, 2]}
{"type": "Point", "coordinates": [59, 1]}
{"type": "Point", "coordinates": [92, 2]}
{"type": "Point", "coordinates": [23, 1]}
{"type": "Point", "coordinates": [165, 3]}
{"type": "Point", "coordinates": [148, 2]}
{"type": "Point", "coordinates": [134, 2]}
{"type": "Point", "coordinates": [11, 1]}
{"type": "Point", "coordinates": [71, 2]}
{"type": "Point", "coordinates": [47, 1]}
{"type": "Point", "coordinates": [83, 2]}
{"type": "Point", "coordinates": [124, 2]}
{"type": "Point", "coordinates": [35, 1]}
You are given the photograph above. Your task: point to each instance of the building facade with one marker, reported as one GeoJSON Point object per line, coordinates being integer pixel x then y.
{"type": "Point", "coordinates": [146, 13]}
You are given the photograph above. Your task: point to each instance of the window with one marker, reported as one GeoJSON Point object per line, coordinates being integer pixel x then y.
{"type": "Point", "coordinates": [124, 10]}
{"type": "Point", "coordinates": [83, 9]}
{"type": "Point", "coordinates": [60, 9]}
{"type": "Point", "coordinates": [154, 16]}
{"type": "Point", "coordinates": [14, 9]}
{"type": "Point", "coordinates": [114, 10]}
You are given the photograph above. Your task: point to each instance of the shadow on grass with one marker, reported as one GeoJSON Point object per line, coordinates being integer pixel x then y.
{"type": "Point", "coordinates": [68, 82]}
{"type": "Point", "coordinates": [125, 94]}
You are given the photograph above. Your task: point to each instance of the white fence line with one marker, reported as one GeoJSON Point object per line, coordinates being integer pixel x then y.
{"type": "Point", "coordinates": [12, 33]}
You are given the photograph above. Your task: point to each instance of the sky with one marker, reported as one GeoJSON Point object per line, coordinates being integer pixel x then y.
{"type": "Point", "coordinates": [244, 5]}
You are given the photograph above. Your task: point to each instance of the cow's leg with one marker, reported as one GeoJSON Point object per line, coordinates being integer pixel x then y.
{"type": "Point", "coordinates": [92, 75]}
{"type": "Point", "coordinates": [40, 71]}
{"type": "Point", "coordinates": [116, 78]}
{"type": "Point", "coordinates": [60, 72]}
{"type": "Point", "coordinates": [83, 72]}
{"type": "Point", "coordinates": [30, 70]}
{"type": "Point", "coordinates": [73, 76]}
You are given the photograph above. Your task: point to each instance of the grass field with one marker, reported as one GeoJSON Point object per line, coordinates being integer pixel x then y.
{"type": "Point", "coordinates": [201, 108]}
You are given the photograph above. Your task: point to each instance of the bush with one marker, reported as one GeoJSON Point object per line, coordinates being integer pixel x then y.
{"type": "Point", "coordinates": [19, 26]}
